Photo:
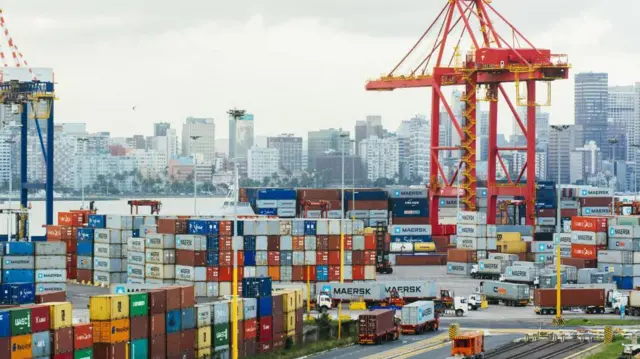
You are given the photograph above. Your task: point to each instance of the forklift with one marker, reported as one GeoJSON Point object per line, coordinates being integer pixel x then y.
{"type": "Point", "coordinates": [383, 265]}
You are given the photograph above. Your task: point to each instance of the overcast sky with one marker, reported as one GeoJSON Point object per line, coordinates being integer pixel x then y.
{"type": "Point", "coordinates": [297, 65]}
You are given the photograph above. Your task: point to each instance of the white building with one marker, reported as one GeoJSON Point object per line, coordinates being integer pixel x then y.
{"type": "Point", "coordinates": [168, 144]}
{"type": "Point", "coordinates": [205, 145]}
{"type": "Point", "coordinates": [241, 137]}
{"type": "Point", "coordinates": [415, 137]}
{"type": "Point", "coordinates": [519, 158]}
{"type": "Point", "coordinates": [150, 163]}
{"type": "Point", "coordinates": [262, 162]}
{"type": "Point", "coordinates": [381, 157]}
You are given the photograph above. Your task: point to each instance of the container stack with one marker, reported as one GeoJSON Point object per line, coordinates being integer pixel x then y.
{"type": "Point", "coordinates": [248, 327]}
{"type": "Point", "coordinates": [221, 328]}
{"type": "Point", "coordinates": [409, 206]}
{"type": "Point", "coordinates": [108, 265]}
{"type": "Point", "coordinates": [65, 231]}
{"type": "Point", "coordinates": [173, 316]}
{"type": "Point", "coordinates": [109, 315]}
{"type": "Point", "coordinates": [542, 252]}
{"type": "Point", "coordinates": [373, 200]}
{"type": "Point", "coordinates": [411, 238]}
{"type": "Point", "coordinates": [50, 265]}
{"type": "Point", "coordinates": [623, 252]}
{"type": "Point", "coordinates": [279, 202]}
{"type": "Point", "coordinates": [18, 286]}
{"type": "Point", "coordinates": [460, 261]}
{"type": "Point", "coordinates": [260, 288]}
{"type": "Point", "coordinates": [136, 260]}
{"type": "Point", "coordinates": [191, 261]}
{"type": "Point", "coordinates": [139, 325]}
{"type": "Point", "coordinates": [594, 201]}
{"type": "Point", "coordinates": [279, 318]}
{"type": "Point", "coordinates": [204, 343]}
{"type": "Point", "coordinates": [473, 233]}
{"type": "Point", "coordinates": [564, 241]}
{"type": "Point", "coordinates": [512, 243]}
{"type": "Point", "coordinates": [85, 242]}
{"type": "Point", "coordinates": [83, 341]}
{"type": "Point", "coordinates": [157, 301]}
{"type": "Point", "coordinates": [588, 235]}
{"type": "Point", "coordinates": [160, 251]}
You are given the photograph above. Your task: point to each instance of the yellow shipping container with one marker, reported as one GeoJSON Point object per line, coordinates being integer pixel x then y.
{"type": "Point", "coordinates": [513, 247]}
{"type": "Point", "coordinates": [112, 331]}
{"type": "Point", "coordinates": [21, 347]}
{"type": "Point", "coordinates": [61, 315]}
{"type": "Point", "coordinates": [108, 307]}
{"type": "Point", "coordinates": [289, 300]}
{"type": "Point", "coordinates": [424, 247]}
{"type": "Point", "coordinates": [508, 237]}
{"type": "Point", "coordinates": [204, 338]}
{"type": "Point", "coordinates": [299, 299]}
{"type": "Point", "coordinates": [204, 353]}
{"type": "Point", "coordinates": [289, 321]}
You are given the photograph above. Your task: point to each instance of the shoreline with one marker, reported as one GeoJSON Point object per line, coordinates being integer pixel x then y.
{"type": "Point", "coordinates": [109, 198]}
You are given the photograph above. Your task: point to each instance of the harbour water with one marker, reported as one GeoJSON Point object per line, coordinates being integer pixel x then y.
{"type": "Point", "coordinates": [170, 206]}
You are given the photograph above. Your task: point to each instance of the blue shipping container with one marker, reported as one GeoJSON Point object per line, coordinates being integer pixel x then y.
{"type": "Point", "coordinates": [173, 321]}
{"type": "Point", "coordinates": [19, 293]}
{"type": "Point", "coordinates": [377, 195]}
{"type": "Point", "coordinates": [265, 286]}
{"type": "Point", "coordinates": [249, 243]}
{"type": "Point", "coordinates": [10, 276]}
{"type": "Point", "coordinates": [545, 185]}
{"type": "Point", "coordinates": [203, 226]}
{"type": "Point", "coordinates": [188, 320]}
{"type": "Point", "coordinates": [267, 211]}
{"type": "Point", "coordinates": [85, 234]}
{"type": "Point", "coordinates": [310, 227]}
{"type": "Point", "coordinates": [410, 208]}
{"type": "Point", "coordinates": [41, 344]}
{"type": "Point", "coordinates": [286, 258]}
{"type": "Point", "coordinates": [97, 220]}
{"type": "Point", "coordinates": [85, 249]}
{"type": "Point", "coordinates": [5, 324]}
{"type": "Point", "coordinates": [249, 258]}
{"type": "Point", "coordinates": [213, 243]}
{"type": "Point", "coordinates": [322, 274]}
{"type": "Point", "coordinates": [240, 228]}
{"type": "Point", "coordinates": [623, 282]}
{"type": "Point", "coordinates": [265, 306]}
{"type": "Point", "coordinates": [213, 259]}
{"type": "Point", "coordinates": [276, 194]}
{"type": "Point", "coordinates": [19, 249]}
{"type": "Point", "coordinates": [411, 239]}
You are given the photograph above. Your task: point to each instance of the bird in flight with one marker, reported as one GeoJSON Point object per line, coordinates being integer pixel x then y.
{"type": "Point", "coordinates": [134, 108]}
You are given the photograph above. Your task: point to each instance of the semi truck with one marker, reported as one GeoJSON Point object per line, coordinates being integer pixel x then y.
{"type": "Point", "coordinates": [378, 326]}
{"type": "Point", "coordinates": [511, 294]}
{"type": "Point", "coordinates": [590, 300]}
{"type": "Point", "coordinates": [419, 317]}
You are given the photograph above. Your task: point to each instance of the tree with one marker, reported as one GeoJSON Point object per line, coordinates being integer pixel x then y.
{"type": "Point", "coordinates": [266, 181]}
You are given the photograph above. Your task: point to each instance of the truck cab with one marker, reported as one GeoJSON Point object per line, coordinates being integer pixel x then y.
{"type": "Point", "coordinates": [323, 302]}
{"type": "Point", "coordinates": [616, 300]}
{"type": "Point", "coordinates": [476, 301]}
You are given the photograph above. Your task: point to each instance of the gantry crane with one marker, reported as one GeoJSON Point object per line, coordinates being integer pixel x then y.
{"type": "Point", "coordinates": [490, 62]}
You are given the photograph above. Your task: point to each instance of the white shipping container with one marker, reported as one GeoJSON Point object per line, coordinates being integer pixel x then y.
{"type": "Point", "coordinates": [418, 313]}
{"type": "Point", "coordinates": [358, 243]}
{"type": "Point", "coordinates": [310, 243]}
{"type": "Point", "coordinates": [213, 289]}
{"type": "Point", "coordinates": [23, 74]}
{"type": "Point", "coordinates": [18, 262]}
{"type": "Point", "coordinates": [310, 258]}
{"type": "Point", "coordinates": [369, 272]}
{"type": "Point", "coordinates": [624, 231]}
{"type": "Point", "coordinates": [160, 241]}
{"type": "Point", "coordinates": [51, 287]}
{"type": "Point", "coordinates": [335, 214]}
{"type": "Point", "coordinates": [334, 226]}
{"type": "Point", "coordinates": [472, 230]}
{"type": "Point", "coordinates": [486, 244]}
{"type": "Point", "coordinates": [262, 271]}
{"type": "Point", "coordinates": [106, 250]}
{"type": "Point", "coordinates": [204, 315]}
{"type": "Point", "coordinates": [347, 227]}
{"type": "Point", "coordinates": [348, 258]}
{"type": "Point", "coordinates": [159, 281]}
{"type": "Point", "coordinates": [125, 236]}
{"type": "Point", "coordinates": [187, 273]}
{"type": "Point", "coordinates": [262, 258]}
{"type": "Point", "coordinates": [562, 239]}
{"type": "Point", "coordinates": [286, 243]}
{"type": "Point", "coordinates": [135, 271]}
{"type": "Point", "coordinates": [160, 256]}
{"type": "Point", "coordinates": [135, 258]}
{"type": "Point", "coordinates": [160, 271]}
{"type": "Point", "coordinates": [191, 242]}
{"type": "Point", "coordinates": [322, 227]}
{"type": "Point", "coordinates": [135, 244]}
{"type": "Point", "coordinates": [589, 238]}
{"type": "Point", "coordinates": [134, 280]}
{"type": "Point", "coordinates": [266, 203]}
{"type": "Point", "coordinates": [51, 276]}
{"type": "Point", "coordinates": [287, 203]}
{"type": "Point", "coordinates": [237, 243]}
{"type": "Point", "coordinates": [262, 243]}
{"type": "Point", "coordinates": [111, 265]}
{"type": "Point", "coordinates": [298, 258]}
{"type": "Point", "coordinates": [542, 247]}
{"type": "Point", "coordinates": [225, 289]}
{"type": "Point", "coordinates": [51, 248]}
{"type": "Point", "coordinates": [273, 227]}
{"type": "Point", "coordinates": [402, 247]}
{"type": "Point", "coordinates": [250, 271]}
{"type": "Point", "coordinates": [618, 257]}
{"type": "Point", "coordinates": [85, 263]}
{"type": "Point", "coordinates": [348, 272]}
{"type": "Point", "coordinates": [108, 278]}
{"type": "Point", "coordinates": [119, 222]}
{"type": "Point", "coordinates": [101, 235]}
{"type": "Point", "coordinates": [51, 262]}
{"type": "Point", "coordinates": [415, 230]}
{"type": "Point", "coordinates": [566, 204]}
{"type": "Point", "coordinates": [469, 217]}
{"type": "Point", "coordinates": [358, 227]}
{"type": "Point", "coordinates": [546, 221]}
{"type": "Point", "coordinates": [594, 192]}
{"type": "Point", "coordinates": [593, 211]}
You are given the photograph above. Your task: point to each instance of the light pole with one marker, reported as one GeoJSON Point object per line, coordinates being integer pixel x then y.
{"type": "Point", "coordinates": [195, 190]}
{"type": "Point", "coordinates": [81, 142]}
{"type": "Point", "coordinates": [558, 318]}
{"type": "Point", "coordinates": [342, 137]}
{"type": "Point", "coordinates": [10, 143]}
{"type": "Point", "coordinates": [613, 142]}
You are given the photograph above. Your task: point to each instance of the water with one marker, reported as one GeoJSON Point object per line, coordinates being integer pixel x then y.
{"type": "Point", "coordinates": [170, 206]}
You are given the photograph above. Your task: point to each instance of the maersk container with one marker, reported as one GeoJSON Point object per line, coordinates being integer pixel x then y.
{"type": "Point", "coordinates": [504, 257]}
{"type": "Point", "coordinates": [119, 222]}
{"type": "Point", "coordinates": [353, 291]}
{"type": "Point", "coordinates": [490, 266]}
{"type": "Point", "coordinates": [112, 236]}
{"type": "Point", "coordinates": [565, 252]}
{"type": "Point", "coordinates": [459, 268]}
{"type": "Point", "coordinates": [542, 247]}
{"type": "Point", "coordinates": [411, 288]}
{"type": "Point", "coordinates": [97, 220]}
{"type": "Point", "coordinates": [589, 238]}
{"type": "Point", "coordinates": [160, 256]}
{"type": "Point", "coordinates": [19, 248]}
{"type": "Point", "coordinates": [191, 242]}
{"type": "Point", "coordinates": [51, 275]}
{"type": "Point", "coordinates": [105, 250]}
{"type": "Point", "coordinates": [468, 217]}
{"type": "Point", "coordinates": [160, 241]}
{"type": "Point", "coordinates": [108, 264]}
{"type": "Point", "coordinates": [418, 313]}
{"type": "Point", "coordinates": [51, 287]}
{"type": "Point", "coordinates": [562, 238]}
{"type": "Point", "coordinates": [108, 278]}
{"type": "Point", "coordinates": [472, 230]}
{"type": "Point", "coordinates": [520, 274]}
{"type": "Point", "coordinates": [618, 257]}
{"type": "Point", "coordinates": [625, 232]}
{"type": "Point", "coordinates": [135, 271]}
{"type": "Point", "coordinates": [160, 271]}
{"type": "Point", "coordinates": [286, 212]}
{"type": "Point", "coordinates": [527, 264]}
{"type": "Point", "coordinates": [623, 270]}
{"type": "Point", "coordinates": [18, 262]}
{"type": "Point", "coordinates": [485, 243]}
{"type": "Point", "coordinates": [505, 291]}
{"type": "Point", "coordinates": [11, 276]}
{"type": "Point", "coordinates": [410, 230]}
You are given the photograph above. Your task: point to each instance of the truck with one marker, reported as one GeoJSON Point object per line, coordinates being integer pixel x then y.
{"type": "Point", "coordinates": [511, 294]}
{"type": "Point", "coordinates": [488, 269]}
{"type": "Point", "coordinates": [614, 299]}
{"type": "Point", "coordinates": [321, 302]}
{"type": "Point", "coordinates": [633, 307]}
{"type": "Point", "coordinates": [590, 300]}
{"type": "Point", "coordinates": [419, 317]}
{"type": "Point", "coordinates": [521, 274]}
{"type": "Point", "coordinates": [378, 326]}
{"type": "Point", "coordinates": [469, 345]}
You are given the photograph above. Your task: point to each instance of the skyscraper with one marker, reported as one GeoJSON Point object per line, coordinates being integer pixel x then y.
{"type": "Point", "coordinates": [562, 143]}
{"type": "Point", "coordinates": [591, 103]}
{"type": "Point", "coordinates": [160, 128]}
{"type": "Point", "coordinates": [360, 133]}
{"type": "Point", "coordinates": [620, 120]}
{"type": "Point", "coordinates": [205, 146]}
{"type": "Point", "coordinates": [380, 157]}
{"type": "Point", "coordinates": [374, 126]}
{"type": "Point", "coordinates": [290, 151]}
{"type": "Point", "coordinates": [326, 141]}
{"type": "Point", "coordinates": [482, 145]}
{"type": "Point", "coordinates": [241, 136]}
{"type": "Point", "coordinates": [415, 142]}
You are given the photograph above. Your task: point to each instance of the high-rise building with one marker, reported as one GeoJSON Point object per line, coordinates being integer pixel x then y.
{"type": "Point", "coordinates": [167, 144]}
{"type": "Point", "coordinates": [482, 135]}
{"type": "Point", "coordinates": [323, 142]}
{"type": "Point", "coordinates": [241, 137]}
{"type": "Point", "coordinates": [360, 133]}
{"type": "Point", "coordinates": [562, 143]}
{"type": "Point", "coordinates": [290, 151]}
{"type": "Point", "coordinates": [381, 157]}
{"type": "Point", "coordinates": [414, 137]}
{"type": "Point", "coordinates": [374, 126]}
{"type": "Point", "coordinates": [591, 102]}
{"type": "Point", "coordinates": [620, 120]}
{"type": "Point", "coordinates": [519, 158]}
{"type": "Point", "coordinates": [585, 162]}
{"type": "Point", "coordinates": [262, 162]}
{"type": "Point", "coordinates": [205, 145]}
{"type": "Point", "coordinates": [160, 128]}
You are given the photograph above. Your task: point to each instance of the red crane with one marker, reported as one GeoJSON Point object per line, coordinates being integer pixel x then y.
{"type": "Point", "coordinates": [491, 62]}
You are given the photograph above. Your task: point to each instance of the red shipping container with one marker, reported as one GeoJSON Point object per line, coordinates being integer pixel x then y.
{"type": "Point", "coordinates": [273, 258]}
{"type": "Point", "coordinates": [157, 347]}
{"type": "Point", "coordinates": [72, 245]}
{"type": "Point", "coordinates": [187, 296]}
{"type": "Point", "coordinates": [62, 340]}
{"type": "Point", "coordinates": [357, 272]}
{"type": "Point", "coordinates": [226, 228]}
{"type": "Point", "coordinates": [84, 275]}
{"type": "Point", "coordinates": [172, 226]}
{"type": "Point", "coordinates": [191, 258]}
{"type": "Point", "coordinates": [298, 243]}
{"type": "Point", "coordinates": [70, 219]}
{"type": "Point", "coordinates": [369, 258]}
{"type": "Point", "coordinates": [69, 355]}
{"type": "Point", "coordinates": [5, 347]}
{"type": "Point", "coordinates": [157, 301]}
{"type": "Point", "coordinates": [589, 224]}
{"type": "Point", "coordinates": [265, 347]}
{"type": "Point", "coordinates": [68, 233]}
{"type": "Point", "coordinates": [370, 205]}
{"type": "Point", "coordinates": [250, 348]}
{"type": "Point", "coordinates": [225, 243]}
{"type": "Point", "coordinates": [334, 258]}
{"type": "Point", "coordinates": [441, 229]}
{"type": "Point", "coordinates": [546, 212]}
{"type": "Point", "coordinates": [370, 242]}
{"type": "Point", "coordinates": [334, 244]}
{"type": "Point", "coordinates": [172, 298]}
{"type": "Point", "coordinates": [348, 243]}
{"type": "Point", "coordinates": [334, 273]}
{"type": "Point", "coordinates": [462, 255]}
{"type": "Point", "coordinates": [595, 202]}
{"type": "Point", "coordinates": [54, 233]}
{"type": "Point", "coordinates": [226, 259]}
{"type": "Point", "coordinates": [225, 274]}
{"type": "Point", "coordinates": [357, 258]}
{"type": "Point", "coordinates": [39, 318]}
{"type": "Point", "coordinates": [265, 329]}
{"type": "Point", "coordinates": [310, 273]}
{"type": "Point", "coordinates": [278, 341]}
{"type": "Point", "coordinates": [273, 243]}
{"type": "Point", "coordinates": [187, 340]}
{"type": "Point", "coordinates": [584, 251]}
{"type": "Point", "coordinates": [430, 260]}
{"type": "Point", "coordinates": [212, 274]}
{"type": "Point", "coordinates": [157, 324]}
{"type": "Point", "coordinates": [322, 243]}
{"type": "Point", "coordinates": [297, 274]}
{"type": "Point", "coordinates": [322, 258]}
{"type": "Point", "coordinates": [49, 297]}
{"type": "Point", "coordinates": [568, 212]}
{"type": "Point", "coordinates": [82, 336]}
{"type": "Point", "coordinates": [173, 344]}
{"type": "Point", "coordinates": [316, 194]}
{"type": "Point", "coordinates": [250, 328]}
{"type": "Point", "coordinates": [579, 263]}
{"type": "Point", "coordinates": [138, 327]}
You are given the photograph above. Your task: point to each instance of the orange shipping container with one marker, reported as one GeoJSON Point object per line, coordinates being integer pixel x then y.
{"type": "Point", "coordinates": [334, 243]}
{"type": "Point", "coordinates": [584, 251]}
{"type": "Point", "coordinates": [298, 243]}
{"type": "Point", "coordinates": [357, 272]}
{"type": "Point", "coordinates": [70, 219]}
{"type": "Point", "coordinates": [334, 258]}
{"type": "Point", "coordinates": [462, 255]}
{"type": "Point", "coordinates": [54, 233]}
{"type": "Point", "coordinates": [226, 228]}
{"type": "Point", "coordinates": [369, 258]}
{"type": "Point", "coordinates": [274, 272]}
{"type": "Point", "coordinates": [348, 243]}
{"type": "Point", "coordinates": [370, 242]}
{"type": "Point", "coordinates": [111, 332]}
{"type": "Point", "coordinates": [322, 258]}
{"type": "Point", "coordinates": [309, 273]}
{"type": "Point", "coordinates": [21, 347]}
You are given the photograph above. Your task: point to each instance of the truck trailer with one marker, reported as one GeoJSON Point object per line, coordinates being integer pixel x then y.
{"type": "Point", "coordinates": [488, 269]}
{"type": "Point", "coordinates": [419, 317]}
{"type": "Point", "coordinates": [511, 294]}
{"type": "Point", "coordinates": [378, 326]}
{"type": "Point", "coordinates": [590, 300]}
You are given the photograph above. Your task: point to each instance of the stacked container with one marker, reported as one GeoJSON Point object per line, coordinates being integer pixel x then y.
{"type": "Point", "coordinates": [589, 234]}
{"type": "Point", "coordinates": [85, 242]}
{"type": "Point", "coordinates": [18, 273]}
{"type": "Point", "coordinates": [139, 325]}
{"type": "Point", "coordinates": [594, 201]}
{"type": "Point", "coordinates": [372, 200]}
{"type": "Point", "coordinates": [160, 251]}
{"type": "Point", "coordinates": [311, 200]}
{"type": "Point", "coordinates": [248, 327]}
{"type": "Point", "coordinates": [108, 265]}
{"type": "Point", "coordinates": [50, 266]}
{"type": "Point", "coordinates": [460, 261]}
{"type": "Point", "coordinates": [136, 260]}
{"type": "Point", "coordinates": [221, 328]}
{"type": "Point", "coordinates": [622, 258]}
{"type": "Point", "coordinates": [409, 206]}
{"type": "Point", "coordinates": [191, 261]}
{"type": "Point", "coordinates": [157, 300]}
{"type": "Point", "coordinates": [473, 233]}
{"type": "Point", "coordinates": [65, 231]}
{"type": "Point", "coordinates": [204, 338]}
{"type": "Point", "coordinates": [109, 315]}
{"type": "Point", "coordinates": [279, 202]}
{"type": "Point", "coordinates": [564, 241]}
{"type": "Point", "coordinates": [407, 238]}
{"type": "Point", "coordinates": [83, 341]}
{"type": "Point", "coordinates": [260, 289]}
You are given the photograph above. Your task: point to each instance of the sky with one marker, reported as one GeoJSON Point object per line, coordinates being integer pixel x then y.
{"type": "Point", "coordinates": [296, 65]}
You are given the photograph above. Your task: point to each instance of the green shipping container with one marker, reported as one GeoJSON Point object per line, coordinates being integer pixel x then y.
{"type": "Point", "coordinates": [221, 335]}
{"type": "Point", "coordinates": [83, 354]}
{"type": "Point", "coordinates": [139, 349]}
{"type": "Point", "coordinates": [20, 321]}
{"type": "Point", "coordinates": [628, 221]}
{"type": "Point", "coordinates": [138, 304]}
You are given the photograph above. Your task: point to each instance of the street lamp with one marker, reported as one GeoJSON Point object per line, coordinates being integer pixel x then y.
{"type": "Point", "coordinates": [195, 191]}
{"type": "Point", "coordinates": [81, 142]}
{"type": "Point", "coordinates": [613, 142]}
{"type": "Point", "coordinates": [343, 147]}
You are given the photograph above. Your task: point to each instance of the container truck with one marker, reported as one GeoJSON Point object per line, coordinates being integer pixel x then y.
{"type": "Point", "coordinates": [633, 306]}
{"type": "Point", "coordinates": [590, 300]}
{"type": "Point", "coordinates": [378, 326]}
{"type": "Point", "coordinates": [511, 294]}
{"type": "Point", "coordinates": [488, 269]}
{"type": "Point", "coordinates": [521, 274]}
{"type": "Point", "coordinates": [419, 317]}
{"type": "Point", "coordinates": [321, 302]}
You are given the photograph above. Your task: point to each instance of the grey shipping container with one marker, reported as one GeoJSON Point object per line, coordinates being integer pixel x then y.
{"type": "Point", "coordinates": [136, 244]}
{"type": "Point", "coordinates": [522, 274]}
{"type": "Point", "coordinates": [505, 291]}
{"type": "Point", "coordinates": [570, 271]}
{"type": "Point", "coordinates": [550, 280]}
{"type": "Point", "coordinates": [51, 287]}
{"type": "Point", "coordinates": [107, 250]}
{"type": "Point", "coordinates": [624, 270]}
{"type": "Point", "coordinates": [51, 262]}
{"type": "Point", "coordinates": [221, 312]}
{"type": "Point", "coordinates": [135, 258]}
{"type": "Point", "coordinates": [418, 313]}
{"type": "Point", "coordinates": [584, 275]}
{"type": "Point", "coordinates": [51, 248]}
{"type": "Point", "coordinates": [619, 244]}
{"type": "Point", "coordinates": [85, 262]}
{"type": "Point", "coordinates": [353, 291]}
{"type": "Point", "coordinates": [250, 308]}
{"type": "Point", "coordinates": [160, 241]}
{"type": "Point", "coordinates": [411, 288]}
{"type": "Point", "coordinates": [111, 265]}
{"type": "Point", "coordinates": [504, 256]}
{"type": "Point", "coordinates": [459, 268]}
{"type": "Point", "coordinates": [18, 262]}
{"type": "Point", "coordinates": [618, 257]}
{"type": "Point", "coordinates": [527, 264]}
{"type": "Point", "coordinates": [108, 278]}
{"type": "Point", "coordinates": [491, 266]}
{"type": "Point", "coordinates": [160, 256]}
{"type": "Point", "coordinates": [602, 277]}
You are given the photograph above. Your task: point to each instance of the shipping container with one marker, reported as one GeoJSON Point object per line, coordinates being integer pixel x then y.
{"type": "Point", "coordinates": [459, 268]}
{"type": "Point", "coordinates": [82, 336]}
{"type": "Point", "coordinates": [108, 307]}
{"type": "Point", "coordinates": [590, 300]}
{"type": "Point", "coordinates": [511, 293]}
{"type": "Point", "coordinates": [375, 326]}
{"type": "Point", "coordinates": [594, 224]}
{"type": "Point", "coordinates": [589, 238]}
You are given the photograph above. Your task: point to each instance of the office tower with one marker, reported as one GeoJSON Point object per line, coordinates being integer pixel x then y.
{"type": "Point", "coordinates": [262, 162]}
{"type": "Point", "coordinates": [562, 143]}
{"type": "Point", "coordinates": [160, 128]}
{"type": "Point", "coordinates": [380, 157]}
{"type": "Point", "coordinates": [241, 136]}
{"type": "Point", "coordinates": [290, 151]}
{"type": "Point", "coordinates": [620, 120]}
{"type": "Point", "coordinates": [327, 141]}
{"type": "Point", "coordinates": [414, 138]}
{"type": "Point", "coordinates": [360, 133]}
{"type": "Point", "coordinates": [205, 145]}
{"type": "Point", "coordinates": [591, 102]}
